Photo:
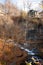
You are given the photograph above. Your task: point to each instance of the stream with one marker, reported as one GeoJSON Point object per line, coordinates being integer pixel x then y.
{"type": "Point", "coordinates": [32, 53]}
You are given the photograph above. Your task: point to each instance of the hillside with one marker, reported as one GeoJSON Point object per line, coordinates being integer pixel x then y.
{"type": "Point", "coordinates": [21, 30]}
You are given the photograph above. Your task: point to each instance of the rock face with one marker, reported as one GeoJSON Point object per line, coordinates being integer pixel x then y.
{"type": "Point", "coordinates": [9, 54]}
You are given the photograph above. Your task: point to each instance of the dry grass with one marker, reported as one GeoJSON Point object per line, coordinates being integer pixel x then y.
{"type": "Point", "coordinates": [11, 53]}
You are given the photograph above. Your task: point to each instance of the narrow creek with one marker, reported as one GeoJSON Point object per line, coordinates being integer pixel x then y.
{"type": "Point", "coordinates": [32, 54]}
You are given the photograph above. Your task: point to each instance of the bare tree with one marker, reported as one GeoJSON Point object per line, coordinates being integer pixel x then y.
{"type": "Point", "coordinates": [7, 6]}
{"type": "Point", "coordinates": [41, 4]}
{"type": "Point", "coordinates": [27, 4]}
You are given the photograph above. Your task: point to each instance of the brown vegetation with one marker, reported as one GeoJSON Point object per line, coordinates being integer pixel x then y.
{"type": "Point", "coordinates": [11, 53]}
{"type": "Point", "coordinates": [15, 26]}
